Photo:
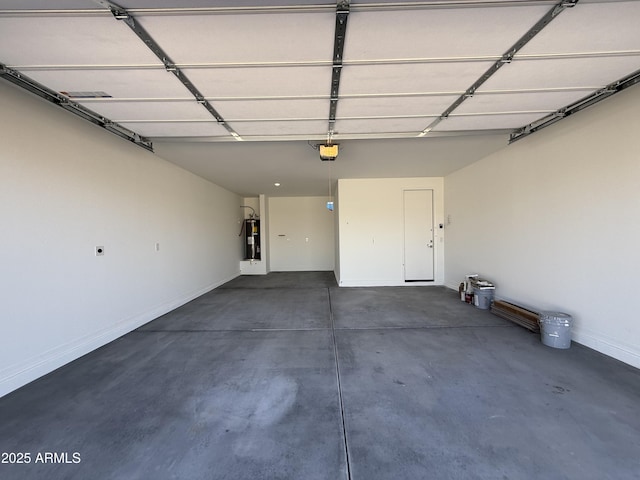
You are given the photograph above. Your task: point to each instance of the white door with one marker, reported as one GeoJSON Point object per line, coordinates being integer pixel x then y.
{"type": "Point", "coordinates": [418, 235]}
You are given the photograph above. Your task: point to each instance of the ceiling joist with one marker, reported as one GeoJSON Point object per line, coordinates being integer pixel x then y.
{"type": "Point", "coordinates": [325, 63]}
{"type": "Point", "coordinates": [268, 9]}
{"type": "Point", "coordinates": [356, 96]}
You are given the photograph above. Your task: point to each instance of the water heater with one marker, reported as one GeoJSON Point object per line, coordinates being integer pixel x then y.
{"type": "Point", "coordinates": [252, 239]}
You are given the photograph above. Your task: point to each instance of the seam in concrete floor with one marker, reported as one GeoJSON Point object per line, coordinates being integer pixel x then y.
{"type": "Point", "coordinates": [431, 327]}
{"type": "Point", "coordinates": [339, 384]}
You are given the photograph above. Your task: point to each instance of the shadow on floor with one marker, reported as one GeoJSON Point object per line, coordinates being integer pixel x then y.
{"type": "Point", "coordinates": [320, 279]}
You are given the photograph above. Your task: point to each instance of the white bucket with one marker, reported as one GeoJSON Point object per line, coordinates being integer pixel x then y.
{"type": "Point", "coordinates": [555, 329]}
{"type": "Point", "coordinates": [482, 298]}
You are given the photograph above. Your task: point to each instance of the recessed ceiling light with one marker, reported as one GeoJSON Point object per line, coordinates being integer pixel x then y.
{"type": "Point", "coordinates": [277, 184]}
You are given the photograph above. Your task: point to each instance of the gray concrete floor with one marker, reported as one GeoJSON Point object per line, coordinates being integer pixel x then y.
{"type": "Point", "coordinates": [286, 376]}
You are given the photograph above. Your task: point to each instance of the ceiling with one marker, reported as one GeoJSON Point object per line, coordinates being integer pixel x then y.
{"type": "Point", "coordinates": [241, 91]}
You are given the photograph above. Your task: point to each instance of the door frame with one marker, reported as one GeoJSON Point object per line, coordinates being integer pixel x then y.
{"type": "Point", "coordinates": [433, 236]}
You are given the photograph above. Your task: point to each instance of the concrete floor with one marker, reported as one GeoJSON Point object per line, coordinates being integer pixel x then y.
{"type": "Point", "coordinates": [286, 376]}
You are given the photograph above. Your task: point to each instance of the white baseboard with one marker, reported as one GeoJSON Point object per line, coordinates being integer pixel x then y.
{"type": "Point", "coordinates": [17, 376]}
{"type": "Point", "coordinates": [386, 283]}
{"type": "Point", "coordinates": [608, 347]}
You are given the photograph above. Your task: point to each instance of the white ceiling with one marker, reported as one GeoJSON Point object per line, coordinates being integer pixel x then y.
{"type": "Point", "coordinates": [253, 167]}
{"type": "Point", "coordinates": [266, 68]}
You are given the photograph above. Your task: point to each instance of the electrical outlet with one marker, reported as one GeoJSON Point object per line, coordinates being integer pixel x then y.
{"type": "Point", "coordinates": [157, 247]}
{"type": "Point", "coordinates": [99, 251]}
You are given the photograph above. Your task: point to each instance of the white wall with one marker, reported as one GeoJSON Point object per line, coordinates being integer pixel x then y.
{"type": "Point", "coordinates": [554, 220]}
{"type": "Point", "coordinates": [336, 234]}
{"type": "Point", "coordinates": [301, 234]}
{"type": "Point", "coordinates": [67, 186]}
{"type": "Point", "coordinates": [371, 230]}
{"type": "Point", "coordinates": [264, 234]}
{"type": "Point", "coordinates": [254, 203]}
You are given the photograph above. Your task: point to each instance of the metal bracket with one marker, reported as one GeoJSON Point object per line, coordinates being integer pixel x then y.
{"type": "Point", "coordinates": [505, 59]}
{"type": "Point", "coordinates": [60, 100]}
{"type": "Point", "coordinates": [342, 15]}
{"type": "Point", "coordinates": [170, 66]}
{"type": "Point", "coordinates": [575, 107]}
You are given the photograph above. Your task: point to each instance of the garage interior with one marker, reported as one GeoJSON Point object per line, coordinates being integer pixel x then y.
{"type": "Point", "coordinates": [140, 136]}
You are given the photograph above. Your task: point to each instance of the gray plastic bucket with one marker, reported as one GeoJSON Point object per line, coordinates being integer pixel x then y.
{"type": "Point", "coordinates": [482, 298]}
{"type": "Point", "coordinates": [555, 329]}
